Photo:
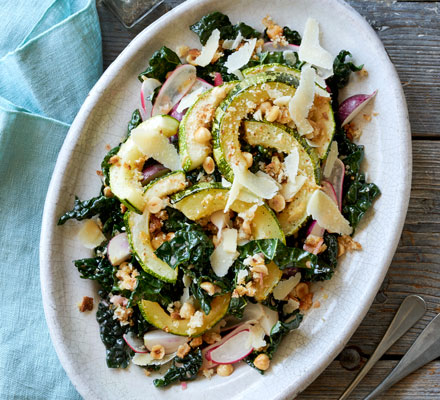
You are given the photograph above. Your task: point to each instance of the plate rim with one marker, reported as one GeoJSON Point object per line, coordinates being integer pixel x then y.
{"type": "Point", "coordinates": [82, 386]}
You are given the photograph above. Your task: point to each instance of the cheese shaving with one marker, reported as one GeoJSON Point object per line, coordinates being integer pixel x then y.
{"type": "Point", "coordinates": [291, 163]}
{"type": "Point", "coordinates": [222, 257]}
{"type": "Point", "coordinates": [90, 235]}
{"type": "Point", "coordinates": [289, 189]}
{"type": "Point", "coordinates": [209, 49]}
{"type": "Point", "coordinates": [233, 44]}
{"type": "Point", "coordinates": [310, 50]}
{"type": "Point", "coordinates": [189, 99]}
{"type": "Point", "coordinates": [331, 158]}
{"type": "Point", "coordinates": [302, 100]}
{"type": "Point", "coordinates": [241, 57]}
{"type": "Point", "coordinates": [286, 286]}
{"type": "Point", "coordinates": [324, 210]}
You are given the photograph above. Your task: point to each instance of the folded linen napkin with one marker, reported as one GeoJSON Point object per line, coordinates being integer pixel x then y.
{"type": "Point", "coordinates": [50, 57]}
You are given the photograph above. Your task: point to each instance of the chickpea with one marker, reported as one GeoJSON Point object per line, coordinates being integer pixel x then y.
{"type": "Point", "coordinates": [262, 362]}
{"type": "Point", "coordinates": [225, 369]}
{"type": "Point", "coordinates": [108, 192]}
{"type": "Point", "coordinates": [209, 165]}
{"type": "Point", "coordinates": [202, 135]}
{"type": "Point", "coordinates": [277, 203]}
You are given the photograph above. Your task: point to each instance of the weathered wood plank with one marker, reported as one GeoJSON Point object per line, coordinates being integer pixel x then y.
{"type": "Point", "coordinates": [422, 384]}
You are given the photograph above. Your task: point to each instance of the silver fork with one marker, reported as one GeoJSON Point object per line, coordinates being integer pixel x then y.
{"type": "Point", "coordinates": [409, 312]}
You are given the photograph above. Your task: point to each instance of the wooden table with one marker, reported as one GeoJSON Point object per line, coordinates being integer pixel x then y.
{"type": "Point", "coordinates": [410, 31]}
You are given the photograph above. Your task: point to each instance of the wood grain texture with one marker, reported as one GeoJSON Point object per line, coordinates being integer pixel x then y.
{"type": "Point", "coordinates": [410, 31]}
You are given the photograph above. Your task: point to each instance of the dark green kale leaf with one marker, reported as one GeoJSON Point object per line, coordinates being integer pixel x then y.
{"type": "Point", "coordinates": [201, 295]}
{"type": "Point", "coordinates": [118, 354]}
{"type": "Point", "coordinates": [216, 20]}
{"type": "Point", "coordinates": [359, 195]}
{"type": "Point", "coordinates": [259, 153]}
{"type": "Point", "coordinates": [176, 220]}
{"type": "Point", "coordinates": [162, 62]}
{"type": "Point", "coordinates": [293, 37]}
{"type": "Point", "coordinates": [150, 288]}
{"type": "Point", "coordinates": [190, 245]}
{"type": "Point", "coordinates": [278, 332]}
{"type": "Point", "coordinates": [107, 208]}
{"type": "Point", "coordinates": [193, 176]}
{"type": "Point", "coordinates": [183, 369]}
{"type": "Point", "coordinates": [341, 72]}
{"type": "Point", "coordinates": [207, 73]}
{"type": "Point", "coordinates": [237, 306]}
{"type": "Point", "coordinates": [135, 120]}
{"type": "Point", "coordinates": [330, 255]}
{"type": "Point", "coordinates": [98, 269]}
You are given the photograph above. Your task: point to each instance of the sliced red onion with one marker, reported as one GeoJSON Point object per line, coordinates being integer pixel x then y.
{"type": "Point", "coordinates": [232, 350]}
{"type": "Point", "coordinates": [118, 249]}
{"type": "Point", "coordinates": [218, 80]}
{"type": "Point", "coordinates": [352, 106]}
{"type": "Point", "coordinates": [152, 172]}
{"type": "Point", "coordinates": [147, 89]}
{"type": "Point", "coordinates": [174, 88]}
{"type": "Point", "coordinates": [206, 352]}
{"type": "Point", "coordinates": [269, 46]}
{"type": "Point", "coordinates": [169, 341]}
{"type": "Point", "coordinates": [336, 178]}
{"type": "Point", "coordinates": [135, 343]}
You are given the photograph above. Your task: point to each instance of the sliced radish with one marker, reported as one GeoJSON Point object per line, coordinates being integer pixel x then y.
{"type": "Point", "coordinates": [315, 229]}
{"type": "Point", "coordinates": [269, 46]}
{"type": "Point", "coordinates": [147, 89]}
{"type": "Point", "coordinates": [134, 343]}
{"type": "Point", "coordinates": [232, 350]}
{"type": "Point", "coordinates": [169, 341]}
{"type": "Point", "coordinates": [265, 316]}
{"type": "Point", "coordinates": [176, 114]}
{"type": "Point", "coordinates": [330, 160]}
{"type": "Point", "coordinates": [329, 190]}
{"type": "Point", "coordinates": [352, 106]}
{"type": "Point", "coordinates": [152, 172]}
{"type": "Point", "coordinates": [174, 88]}
{"type": "Point", "coordinates": [200, 86]}
{"type": "Point", "coordinates": [336, 178]}
{"type": "Point", "coordinates": [218, 80]}
{"type": "Point", "coordinates": [118, 249]}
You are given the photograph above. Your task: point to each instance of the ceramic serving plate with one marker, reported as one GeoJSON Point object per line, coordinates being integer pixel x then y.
{"type": "Point", "coordinates": [344, 300]}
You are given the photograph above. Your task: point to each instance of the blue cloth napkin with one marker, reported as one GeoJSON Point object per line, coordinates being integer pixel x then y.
{"type": "Point", "coordinates": [50, 57]}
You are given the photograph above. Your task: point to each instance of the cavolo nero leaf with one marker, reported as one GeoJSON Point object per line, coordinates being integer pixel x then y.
{"type": "Point", "coordinates": [359, 195]}
{"type": "Point", "coordinates": [216, 20]}
{"type": "Point", "coordinates": [293, 37]}
{"type": "Point", "coordinates": [163, 61]}
{"type": "Point", "coordinates": [118, 354]}
{"type": "Point", "coordinates": [98, 269]}
{"type": "Point", "coordinates": [183, 369]}
{"type": "Point", "coordinates": [278, 332]}
{"type": "Point", "coordinates": [341, 73]}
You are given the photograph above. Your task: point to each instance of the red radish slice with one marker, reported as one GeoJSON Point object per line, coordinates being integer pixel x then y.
{"type": "Point", "coordinates": [147, 89]}
{"type": "Point", "coordinates": [202, 83]}
{"type": "Point", "coordinates": [200, 86]}
{"type": "Point", "coordinates": [206, 352]}
{"type": "Point", "coordinates": [315, 229]}
{"type": "Point", "coordinates": [176, 114]}
{"type": "Point", "coordinates": [352, 106]}
{"type": "Point", "coordinates": [329, 190]}
{"type": "Point", "coordinates": [218, 80]}
{"type": "Point", "coordinates": [118, 249]}
{"type": "Point", "coordinates": [134, 343]}
{"type": "Point", "coordinates": [269, 46]}
{"type": "Point", "coordinates": [169, 341]}
{"type": "Point", "coordinates": [152, 172]}
{"type": "Point", "coordinates": [232, 350]}
{"type": "Point", "coordinates": [174, 88]}
{"type": "Point", "coordinates": [336, 178]}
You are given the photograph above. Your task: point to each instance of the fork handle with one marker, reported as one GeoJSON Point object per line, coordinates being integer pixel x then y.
{"type": "Point", "coordinates": [409, 312]}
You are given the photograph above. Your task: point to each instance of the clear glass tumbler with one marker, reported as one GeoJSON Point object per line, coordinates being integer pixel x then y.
{"type": "Point", "coordinates": [130, 12]}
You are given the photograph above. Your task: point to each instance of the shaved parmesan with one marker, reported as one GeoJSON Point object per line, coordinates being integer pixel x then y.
{"type": "Point", "coordinates": [324, 210]}
{"type": "Point", "coordinates": [220, 219]}
{"type": "Point", "coordinates": [241, 57]}
{"type": "Point", "coordinates": [209, 49]}
{"type": "Point", "coordinates": [290, 306]}
{"type": "Point", "coordinates": [256, 336]}
{"type": "Point", "coordinates": [331, 158]}
{"type": "Point", "coordinates": [260, 184]}
{"type": "Point", "coordinates": [90, 235]}
{"type": "Point", "coordinates": [156, 145]}
{"type": "Point", "coordinates": [189, 99]}
{"type": "Point", "coordinates": [302, 100]}
{"type": "Point", "coordinates": [238, 74]}
{"type": "Point", "coordinates": [233, 193]}
{"type": "Point", "coordinates": [241, 276]}
{"type": "Point", "coordinates": [285, 287]}
{"type": "Point", "coordinates": [226, 183]}
{"type": "Point", "coordinates": [290, 189]}
{"type": "Point", "coordinates": [144, 359]}
{"type": "Point", "coordinates": [248, 197]}
{"type": "Point", "coordinates": [310, 50]}
{"type": "Point", "coordinates": [311, 143]}
{"type": "Point", "coordinates": [291, 163]}
{"type": "Point", "coordinates": [225, 253]}
{"type": "Point", "coordinates": [233, 44]}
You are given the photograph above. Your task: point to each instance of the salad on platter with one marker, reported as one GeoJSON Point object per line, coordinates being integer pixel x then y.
{"type": "Point", "coordinates": [236, 186]}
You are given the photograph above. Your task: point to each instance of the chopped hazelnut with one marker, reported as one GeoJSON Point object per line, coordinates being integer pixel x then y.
{"type": "Point", "coordinates": [182, 51]}
{"type": "Point", "coordinates": [196, 342]}
{"type": "Point", "coordinates": [202, 135]}
{"type": "Point", "coordinates": [108, 192]}
{"type": "Point", "coordinates": [183, 350]}
{"type": "Point", "coordinates": [277, 203]}
{"type": "Point", "coordinates": [273, 114]}
{"type": "Point", "coordinates": [157, 241]}
{"type": "Point", "coordinates": [302, 289]}
{"type": "Point", "coordinates": [157, 352]}
{"type": "Point", "coordinates": [209, 288]}
{"type": "Point", "coordinates": [265, 107]}
{"type": "Point", "coordinates": [211, 337]}
{"type": "Point", "coordinates": [86, 304]}
{"type": "Point", "coordinates": [209, 165]}
{"type": "Point", "coordinates": [262, 362]}
{"type": "Point", "coordinates": [187, 311]}
{"type": "Point", "coordinates": [154, 205]}
{"type": "Point", "coordinates": [225, 369]}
